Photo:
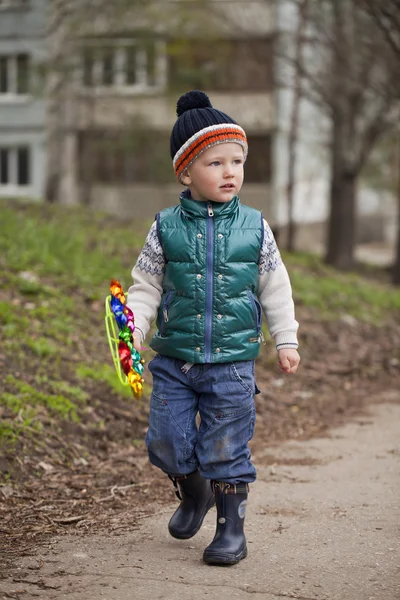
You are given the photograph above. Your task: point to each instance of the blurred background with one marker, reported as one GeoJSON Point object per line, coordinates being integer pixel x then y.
{"type": "Point", "coordinates": [88, 91]}
{"type": "Point", "coordinates": [88, 94]}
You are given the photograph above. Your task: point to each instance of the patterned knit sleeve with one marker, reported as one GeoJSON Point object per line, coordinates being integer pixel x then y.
{"type": "Point", "coordinates": [144, 296]}
{"type": "Point", "coordinates": [275, 294]}
{"type": "Point", "coordinates": [151, 259]}
{"type": "Point", "coordinates": [270, 257]}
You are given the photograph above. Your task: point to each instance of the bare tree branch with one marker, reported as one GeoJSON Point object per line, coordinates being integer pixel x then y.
{"type": "Point", "coordinates": [386, 14]}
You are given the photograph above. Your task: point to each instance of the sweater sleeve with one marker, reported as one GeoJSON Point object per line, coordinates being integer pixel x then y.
{"type": "Point", "coordinates": [144, 296]}
{"type": "Point", "coordinates": [275, 294]}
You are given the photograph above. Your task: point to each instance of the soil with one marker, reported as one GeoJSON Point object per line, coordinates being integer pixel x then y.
{"type": "Point", "coordinates": [84, 479]}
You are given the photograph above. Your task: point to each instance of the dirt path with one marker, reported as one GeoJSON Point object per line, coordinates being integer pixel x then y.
{"type": "Point", "coordinates": [323, 523]}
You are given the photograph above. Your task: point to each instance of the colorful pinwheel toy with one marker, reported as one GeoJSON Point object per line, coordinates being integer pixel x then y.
{"type": "Point", "coordinates": [126, 359]}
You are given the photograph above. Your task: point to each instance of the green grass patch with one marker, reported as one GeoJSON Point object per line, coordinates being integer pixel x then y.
{"type": "Point", "coordinates": [43, 347]}
{"type": "Point", "coordinates": [335, 293]}
{"type": "Point", "coordinates": [63, 387]}
{"type": "Point", "coordinates": [31, 288]}
{"type": "Point", "coordinates": [83, 247]}
{"type": "Point", "coordinates": [9, 433]}
{"type": "Point", "coordinates": [24, 395]}
{"type": "Point", "coordinates": [11, 315]}
{"type": "Point", "coordinates": [103, 373]}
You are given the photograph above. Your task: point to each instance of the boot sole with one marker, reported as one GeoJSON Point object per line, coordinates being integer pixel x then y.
{"type": "Point", "coordinates": [189, 534]}
{"type": "Point", "coordinates": [224, 559]}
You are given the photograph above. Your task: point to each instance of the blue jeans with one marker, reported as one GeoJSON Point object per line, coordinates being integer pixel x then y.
{"type": "Point", "coordinates": [223, 395]}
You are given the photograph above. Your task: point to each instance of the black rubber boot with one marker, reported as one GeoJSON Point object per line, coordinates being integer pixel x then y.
{"type": "Point", "coordinates": [196, 498]}
{"type": "Point", "coordinates": [229, 544]}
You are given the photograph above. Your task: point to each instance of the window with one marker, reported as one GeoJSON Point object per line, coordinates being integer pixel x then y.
{"type": "Point", "coordinates": [121, 158]}
{"type": "Point", "coordinates": [22, 82]}
{"type": "Point", "coordinates": [4, 166]}
{"type": "Point", "coordinates": [130, 64]}
{"type": "Point", "coordinates": [23, 176]}
{"type": "Point", "coordinates": [226, 65]}
{"type": "Point", "coordinates": [3, 74]}
{"type": "Point", "coordinates": [88, 64]}
{"type": "Point", "coordinates": [258, 166]}
{"type": "Point", "coordinates": [15, 167]}
{"type": "Point", "coordinates": [14, 74]}
{"type": "Point", "coordinates": [108, 66]}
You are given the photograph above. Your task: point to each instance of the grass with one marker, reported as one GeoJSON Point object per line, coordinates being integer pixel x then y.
{"type": "Point", "coordinates": [334, 294]}
{"type": "Point", "coordinates": [24, 395]}
{"type": "Point", "coordinates": [55, 268]}
{"type": "Point", "coordinates": [77, 247]}
{"type": "Point", "coordinates": [103, 373]}
{"type": "Point", "coordinates": [55, 264]}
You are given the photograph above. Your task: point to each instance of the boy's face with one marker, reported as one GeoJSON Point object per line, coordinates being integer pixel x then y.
{"type": "Point", "coordinates": [217, 174]}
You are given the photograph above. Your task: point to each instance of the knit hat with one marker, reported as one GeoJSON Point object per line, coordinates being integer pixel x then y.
{"type": "Point", "coordinates": [199, 127]}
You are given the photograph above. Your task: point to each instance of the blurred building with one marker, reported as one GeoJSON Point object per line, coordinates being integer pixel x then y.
{"type": "Point", "coordinates": [22, 106]}
{"type": "Point", "coordinates": [116, 81]}
{"type": "Point", "coordinates": [125, 91]}
{"type": "Point", "coordinates": [128, 76]}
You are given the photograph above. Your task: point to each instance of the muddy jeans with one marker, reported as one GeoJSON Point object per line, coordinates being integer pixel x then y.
{"type": "Point", "coordinates": [223, 395]}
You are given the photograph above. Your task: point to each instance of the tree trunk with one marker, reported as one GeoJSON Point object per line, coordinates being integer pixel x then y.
{"type": "Point", "coordinates": [294, 126]}
{"type": "Point", "coordinates": [341, 228]}
{"type": "Point", "coordinates": [54, 138]}
{"type": "Point", "coordinates": [341, 233]}
{"type": "Point", "coordinates": [396, 266]}
{"type": "Point", "coordinates": [55, 86]}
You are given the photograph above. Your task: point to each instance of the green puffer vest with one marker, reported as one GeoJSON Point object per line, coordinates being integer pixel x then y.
{"type": "Point", "coordinates": [209, 311]}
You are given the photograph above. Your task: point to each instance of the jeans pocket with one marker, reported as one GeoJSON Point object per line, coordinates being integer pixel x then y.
{"type": "Point", "coordinates": [243, 372]}
{"type": "Point", "coordinates": [256, 388]}
{"type": "Point", "coordinates": [163, 418]}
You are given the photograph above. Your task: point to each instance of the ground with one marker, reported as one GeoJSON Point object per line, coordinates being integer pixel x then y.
{"type": "Point", "coordinates": [321, 524]}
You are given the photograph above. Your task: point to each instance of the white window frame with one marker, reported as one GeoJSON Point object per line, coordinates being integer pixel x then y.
{"type": "Point", "coordinates": [12, 78]}
{"type": "Point", "coordinates": [119, 80]}
{"type": "Point", "coordinates": [13, 188]}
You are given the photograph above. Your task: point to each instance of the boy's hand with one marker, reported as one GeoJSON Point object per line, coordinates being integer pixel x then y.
{"type": "Point", "coordinates": [288, 360]}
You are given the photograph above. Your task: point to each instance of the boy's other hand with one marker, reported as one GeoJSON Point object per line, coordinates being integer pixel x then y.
{"type": "Point", "coordinates": [288, 360]}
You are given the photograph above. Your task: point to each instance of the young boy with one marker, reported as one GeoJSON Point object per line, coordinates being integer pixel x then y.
{"type": "Point", "coordinates": [208, 269]}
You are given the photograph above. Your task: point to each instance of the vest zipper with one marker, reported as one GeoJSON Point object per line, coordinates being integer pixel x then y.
{"type": "Point", "coordinates": [209, 283]}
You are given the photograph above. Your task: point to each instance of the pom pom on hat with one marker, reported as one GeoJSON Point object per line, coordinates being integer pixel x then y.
{"type": "Point", "coordinates": [190, 100]}
{"type": "Point", "coordinates": [200, 126]}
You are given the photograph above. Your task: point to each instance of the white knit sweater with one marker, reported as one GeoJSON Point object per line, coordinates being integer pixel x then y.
{"type": "Point", "coordinates": [274, 289]}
